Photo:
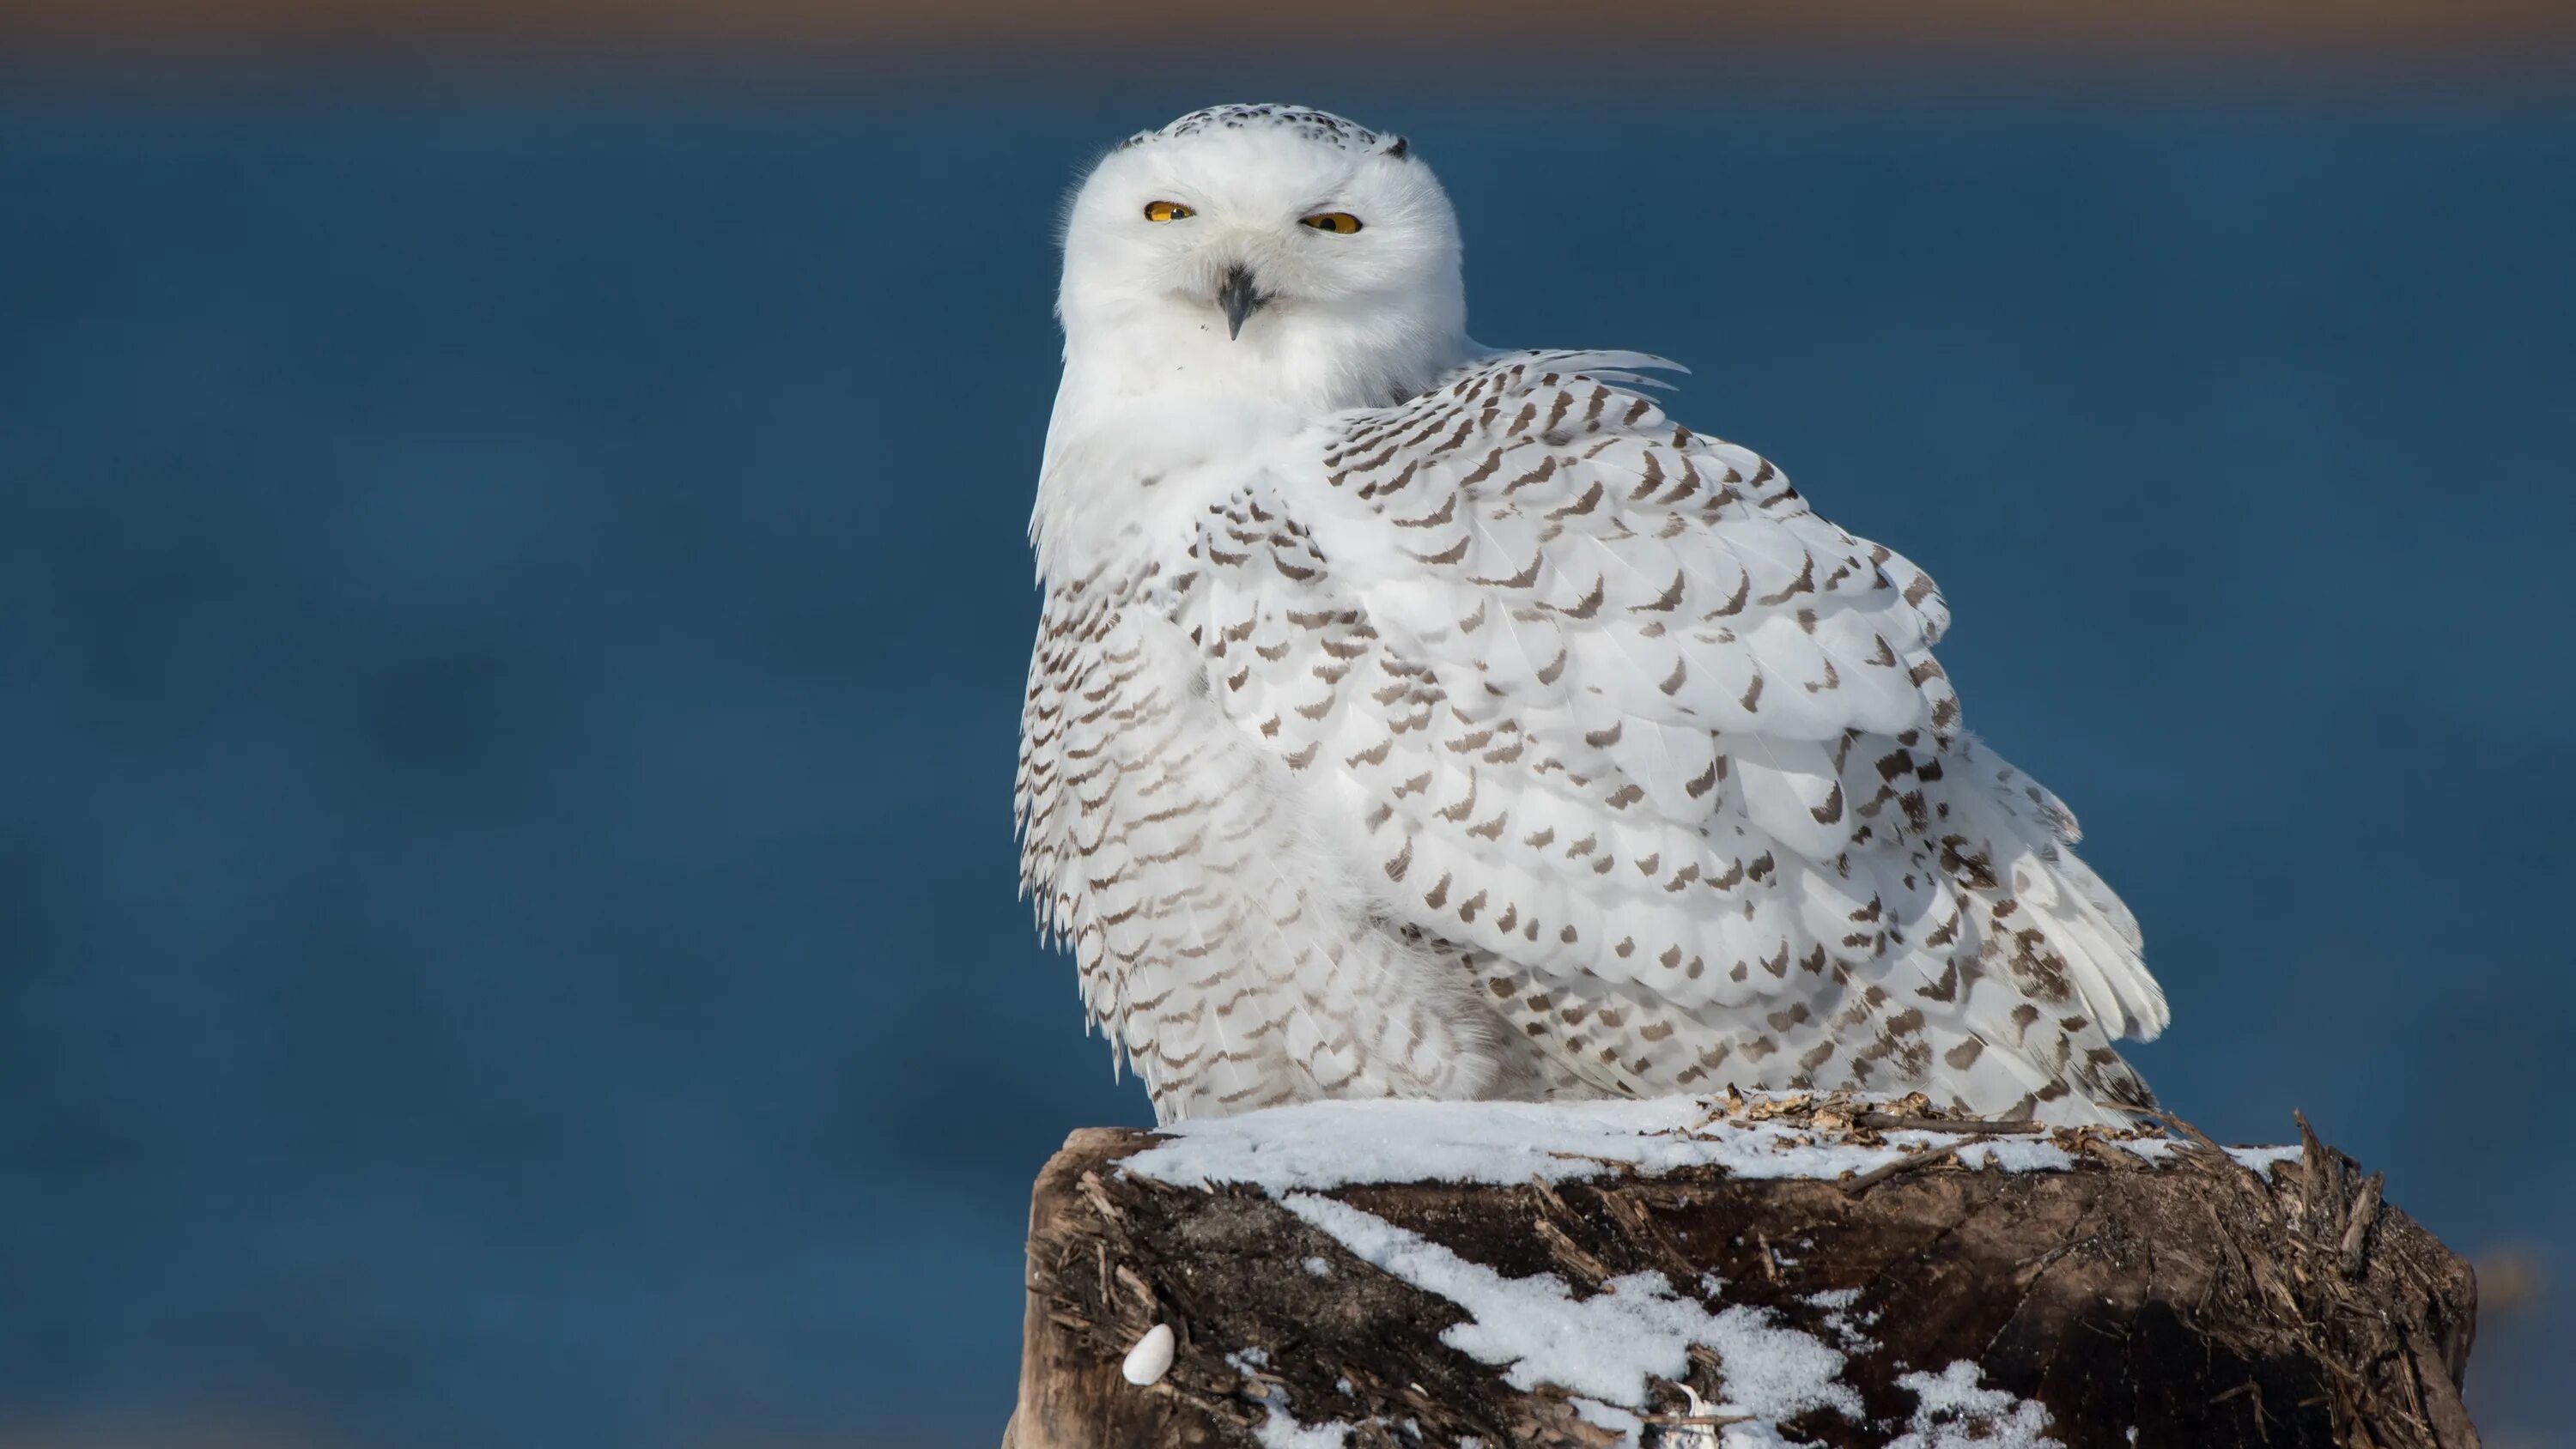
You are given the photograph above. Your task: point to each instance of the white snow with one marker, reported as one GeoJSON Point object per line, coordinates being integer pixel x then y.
{"type": "Point", "coordinates": [1280, 1430]}
{"type": "Point", "coordinates": [1151, 1358]}
{"type": "Point", "coordinates": [1318, 1267]}
{"type": "Point", "coordinates": [1611, 1417]}
{"type": "Point", "coordinates": [1316, 1145]}
{"type": "Point", "coordinates": [1602, 1348]}
{"type": "Point", "coordinates": [2017, 1154]}
{"type": "Point", "coordinates": [1845, 1319]}
{"type": "Point", "coordinates": [2264, 1159]}
{"type": "Point", "coordinates": [1757, 1435]}
{"type": "Point", "coordinates": [2260, 1159]}
{"type": "Point", "coordinates": [1955, 1412]}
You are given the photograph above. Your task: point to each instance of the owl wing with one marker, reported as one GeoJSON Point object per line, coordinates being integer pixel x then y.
{"type": "Point", "coordinates": [1664, 753]}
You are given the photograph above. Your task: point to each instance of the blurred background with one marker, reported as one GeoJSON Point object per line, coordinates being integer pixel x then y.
{"type": "Point", "coordinates": [507, 931]}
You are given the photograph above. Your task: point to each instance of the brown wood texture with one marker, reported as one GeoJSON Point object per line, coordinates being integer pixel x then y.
{"type": "Point", "coordinates": [2194, 1301]}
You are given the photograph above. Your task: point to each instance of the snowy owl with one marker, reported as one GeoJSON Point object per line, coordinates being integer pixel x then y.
{"type": "Point", "coordinates": [1411, 719]}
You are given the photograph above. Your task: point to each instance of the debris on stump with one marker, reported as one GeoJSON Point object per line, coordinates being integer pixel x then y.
{"type": "Point", "coordinates": [1706, 1274]}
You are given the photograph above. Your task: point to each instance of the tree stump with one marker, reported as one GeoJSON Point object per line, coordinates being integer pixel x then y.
{"type": "Point", "coordinates": [1824, 1270]}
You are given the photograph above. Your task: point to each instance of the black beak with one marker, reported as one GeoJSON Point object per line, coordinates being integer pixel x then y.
{"type": "Point", "coordinates": [1238, 297]}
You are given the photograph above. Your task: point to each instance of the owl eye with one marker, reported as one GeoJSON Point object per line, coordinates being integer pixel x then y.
{"type": "Point", "coordinates": [1167, 211]}
{"type": "Point", "coordinates": [1340, 223]}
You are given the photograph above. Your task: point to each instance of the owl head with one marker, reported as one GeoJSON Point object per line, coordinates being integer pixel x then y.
{"type": "Point", "coordinates": [1269, 245]}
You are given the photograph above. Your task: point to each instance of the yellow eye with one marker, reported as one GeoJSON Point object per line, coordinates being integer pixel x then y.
{"type": "Point", "coordinates": [1340, 223]}
{"type": "Point", "coordinates": [1167, 211]}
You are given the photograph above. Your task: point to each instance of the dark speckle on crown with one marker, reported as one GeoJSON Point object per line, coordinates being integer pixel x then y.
{"type": "Point", "coordinates": [1307, 122]}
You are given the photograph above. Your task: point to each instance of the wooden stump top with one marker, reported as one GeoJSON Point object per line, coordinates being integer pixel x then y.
{"type": "Point", "coordinates": [1797, 1270]}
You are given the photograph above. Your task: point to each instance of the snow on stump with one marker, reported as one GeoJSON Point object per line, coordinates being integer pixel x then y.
{"type": "Point", "coordinates": [1794, 1270]}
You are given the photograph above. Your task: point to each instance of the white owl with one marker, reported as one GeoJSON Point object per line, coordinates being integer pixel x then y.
{"type": "Point", "coordinates": [1411, 719]}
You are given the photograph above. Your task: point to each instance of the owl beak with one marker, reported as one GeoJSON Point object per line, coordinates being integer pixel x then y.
{"type": "Point", "coordinates": [1239, 297]}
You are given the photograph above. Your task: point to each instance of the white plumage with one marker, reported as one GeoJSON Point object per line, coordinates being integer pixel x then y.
{"type": "Point", "coordinates": [1411, 719]}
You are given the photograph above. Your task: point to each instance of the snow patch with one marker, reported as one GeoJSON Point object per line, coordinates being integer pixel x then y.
{"type": "Point", "coordinates": [1756, 1436]}
{"type": "Point", "coordinates": [2017, 1154]}
{"type": "Point", "coordinates": [1608, 1416]}
{"type": "Point", "coordinates": [1320, 1145]}
{"type": "Point", "coordinates": [1280, 1430]}
{"type": "Point", "coordinates": [1845, 1319]}
{"type": "Point", "coordinates": [1953, 1411]}
{"type": "Point", "coordinates": [2260, 1159]}
{"type": "Point", "coordinates": [2264, 1159]}
{"type": "Point", "coordinates": [1603, 1348]}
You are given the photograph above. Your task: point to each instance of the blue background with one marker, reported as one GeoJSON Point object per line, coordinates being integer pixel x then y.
{"type": "Point", "coordinates": [512, 612]}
